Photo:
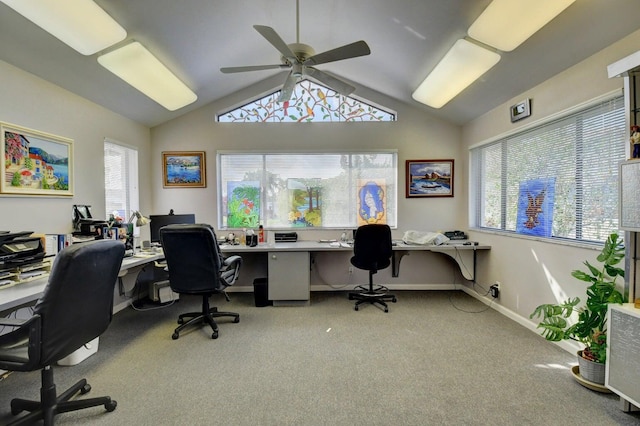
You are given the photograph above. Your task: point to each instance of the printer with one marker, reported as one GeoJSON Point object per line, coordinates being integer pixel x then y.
{"type": "Point", "coordinates": [19, 248]}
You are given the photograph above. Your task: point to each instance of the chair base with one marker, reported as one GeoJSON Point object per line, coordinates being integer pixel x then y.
{"type": "Point", "coordinates": [206, 316]}
{"type": "Point", "coordinates": [379, 296]}
{"type": "Point", "coordinates": [52, 404]}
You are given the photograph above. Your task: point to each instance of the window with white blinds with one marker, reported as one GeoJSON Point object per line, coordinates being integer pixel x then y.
{"type": "Point", "coordinates": [120, 180]}
{"type": "Point", "coordinates": [577, 154]}
{"type": "Point", "coordinates": [310, 190]}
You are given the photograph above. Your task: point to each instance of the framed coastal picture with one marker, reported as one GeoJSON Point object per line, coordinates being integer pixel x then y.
{"type": "Point", "coordinates": [35, 163]}
{"type": "Point", "coordinates": [429, 178]}
{"type": "Point", "coordinates": [184, 169]}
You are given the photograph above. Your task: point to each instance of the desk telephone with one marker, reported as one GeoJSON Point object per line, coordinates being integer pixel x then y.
{"type": "Point", "coordinates": [456, 235]}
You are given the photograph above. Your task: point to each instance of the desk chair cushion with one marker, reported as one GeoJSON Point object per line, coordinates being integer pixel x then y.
{"type": "Point", "coordinates": [75, 308]}
{"type": "Point", "coordinates": [196, 267]}
{"type": "Point", "coordinates": [372, 251]}
{"type": "Point", "coordinates": [192, 253]}
{"type": "Point", "coordinates": [372, 247]}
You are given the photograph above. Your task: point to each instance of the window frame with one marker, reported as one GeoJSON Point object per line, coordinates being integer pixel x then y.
{"type": "Point", "coordinates": [391, 201]}
{"type": "Point", "coordinates": [130, 188]}
{"type": "Point", "coordinates": [477, 172]}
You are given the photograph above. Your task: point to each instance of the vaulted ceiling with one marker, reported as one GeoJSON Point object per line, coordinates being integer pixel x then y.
{"type": "Point", "coordinates": [195, 38]}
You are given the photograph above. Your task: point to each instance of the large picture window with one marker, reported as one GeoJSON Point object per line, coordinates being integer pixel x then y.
{"type": "Point", "coordinates": [306, 190]}
{"type": "Point", "coordinates": [556, 180]}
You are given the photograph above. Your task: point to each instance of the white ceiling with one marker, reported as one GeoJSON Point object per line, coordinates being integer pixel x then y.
{"type": "Point", "coordinates": [195, 38]}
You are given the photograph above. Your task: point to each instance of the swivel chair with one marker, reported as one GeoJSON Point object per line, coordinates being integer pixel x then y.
{"type": "Point", "coordinates": [75, 308]}
{"type": "Point", "coordinates": [196, 267]}
{"type": "Point", "coordinates": [372, 250]}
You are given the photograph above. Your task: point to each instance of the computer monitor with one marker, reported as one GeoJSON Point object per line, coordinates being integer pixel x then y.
{"type": "Point", "coordinates": [158, 221]}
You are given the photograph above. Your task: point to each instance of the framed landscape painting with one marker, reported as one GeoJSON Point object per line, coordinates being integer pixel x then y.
{"type": "Point", "coordinates": [35, 163]}
{"type": "Point", "coordinates": [184, 169]}
{"type": "Point", "coordinates": [429, 178]}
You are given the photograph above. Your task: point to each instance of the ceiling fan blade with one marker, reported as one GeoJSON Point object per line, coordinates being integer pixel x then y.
{"type": "Point", "coordinates": [353, 50]}
{"type": "Point", "coordinates": [272, 37]}
{"type": "Point", "coordinates": [334, 83]}
{"type": "Point", "coordinates": [287, 88]}
{"type": "Point", "coordinates": [229, 70]}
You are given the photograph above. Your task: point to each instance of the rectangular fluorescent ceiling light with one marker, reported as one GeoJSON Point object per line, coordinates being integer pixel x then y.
{"type": "Point", "coordinates": [137, 66]}
{"type": "Point", "coordinates": [463, 64]}
{"type": "Point", "coordinates": [81, 24]}
{"type": "Point", "coordinates": [506, 24]}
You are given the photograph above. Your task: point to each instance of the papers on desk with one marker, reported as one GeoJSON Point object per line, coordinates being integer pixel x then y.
{"type": "Point", "coordinates": [340, 244]}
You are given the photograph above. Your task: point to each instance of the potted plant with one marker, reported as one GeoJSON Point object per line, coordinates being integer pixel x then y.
{"type": "Point", "coordinates": [590, 327]}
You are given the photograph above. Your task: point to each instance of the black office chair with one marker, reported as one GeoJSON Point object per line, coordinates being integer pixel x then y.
{"type": "Point", "coordinates": [372, 250]}
{"type": "Point", "coordinates": [75, 308]}
{"type": "Point", "coordinates": [196, 267]}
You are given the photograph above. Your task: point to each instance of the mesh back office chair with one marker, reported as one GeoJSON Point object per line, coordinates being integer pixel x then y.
{"type": "Point", "coordinates": [372, 250]}
{"type": "Point", "coordinates": [197, 268]}
{"type": "Point", "coordinates": [75, 308]}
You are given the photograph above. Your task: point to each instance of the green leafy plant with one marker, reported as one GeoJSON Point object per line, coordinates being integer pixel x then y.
{"type": "Point", "coordinates": [590, 328]}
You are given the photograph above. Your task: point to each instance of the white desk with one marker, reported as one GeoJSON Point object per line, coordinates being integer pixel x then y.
{"type": "Point", "coordinates": [30, 291]}
{"type": "Point", "coordinates": [289, 263]}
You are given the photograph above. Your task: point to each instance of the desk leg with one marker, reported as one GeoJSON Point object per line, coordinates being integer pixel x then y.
{"type": "Point", "coordinates": [396, 257]}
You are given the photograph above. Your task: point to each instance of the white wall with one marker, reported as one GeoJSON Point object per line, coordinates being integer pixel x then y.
{"type": "Point", "coordinates": [415, 136]}
{"type": "Point", "coordinates": [534, 272]}
{"type": "Point", "coordinates": [31, 102]}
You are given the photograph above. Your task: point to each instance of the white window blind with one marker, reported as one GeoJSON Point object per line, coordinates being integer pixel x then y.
{"type": "Point", "coordinates": [327, 186]}
{"type": "Point", "coordinates": [120, 179]}
{"type": "Point", "coordinates": [579, 152]}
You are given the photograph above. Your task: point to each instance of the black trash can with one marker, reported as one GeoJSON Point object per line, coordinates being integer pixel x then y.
{"type": "Point", "coordinates": [261, 292]}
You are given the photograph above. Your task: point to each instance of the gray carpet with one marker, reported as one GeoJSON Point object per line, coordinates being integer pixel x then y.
{"type": "Point", "coordinates": [437, 358]}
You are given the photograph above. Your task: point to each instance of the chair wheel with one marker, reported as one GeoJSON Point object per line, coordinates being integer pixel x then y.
{"type": "Point", "coordinates": [214, 335]}
{"type": "Point", "coordinates": [85, 389]}
{"type": "Point", "coordinates": [394, 300]}
{"type": "Point", "coordinates": [175, 336]}
{"type": "Point", "coordinates": [180, 321]}
{"type": "Point", "coordinates": [355, 307]}
{"type": "Point", "coordinates": [110, 406]}
{"type": "Point", "coordinates": [350, 297]}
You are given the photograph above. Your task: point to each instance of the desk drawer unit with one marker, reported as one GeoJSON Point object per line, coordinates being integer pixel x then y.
{"type": "Point", "coordinates": [288, 276]}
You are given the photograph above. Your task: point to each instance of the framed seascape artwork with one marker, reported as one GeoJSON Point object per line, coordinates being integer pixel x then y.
{"type": "Point", "coordinates": [429, 178]}
{"type": "Point", "coordinates": [35, 163]}
{"type": "Point", "coordinates": [184, 169]}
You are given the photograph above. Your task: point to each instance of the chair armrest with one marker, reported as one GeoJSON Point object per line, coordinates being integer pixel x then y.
{"type": "Point", "coordinates": [228, 261]}
{"type": "Point", "coordinates": [14, 322]}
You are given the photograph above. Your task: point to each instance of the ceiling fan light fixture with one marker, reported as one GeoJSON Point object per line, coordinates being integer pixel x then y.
{"type": "Point", "coordinates": [137, 66]}
{"type": "Point", "coordinates": [80, 24]}
{"type": "Point", "coordinates": [506, 24]}
{"type": "Point", "coordinates": [463, 64]}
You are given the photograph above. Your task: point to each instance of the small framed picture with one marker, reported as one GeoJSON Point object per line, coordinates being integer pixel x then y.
{"type": "Point", "coordinates": [184, 169]}
{"type": "Point", "coordinates": [429, 178]}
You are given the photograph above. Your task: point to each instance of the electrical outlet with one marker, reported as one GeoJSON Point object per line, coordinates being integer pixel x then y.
{"type": "Point", "coordinates": [494, 290]}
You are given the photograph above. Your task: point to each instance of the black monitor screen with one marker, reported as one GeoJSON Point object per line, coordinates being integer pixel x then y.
{"type": "Point", "coordinates": [158, 221]}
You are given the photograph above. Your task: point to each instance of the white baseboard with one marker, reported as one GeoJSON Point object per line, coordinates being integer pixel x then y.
{"type": "Point", "coordinates": [569, 346]}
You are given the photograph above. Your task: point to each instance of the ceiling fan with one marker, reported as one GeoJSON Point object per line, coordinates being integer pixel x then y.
{"type": "Point", "coordinates": [301, 58]}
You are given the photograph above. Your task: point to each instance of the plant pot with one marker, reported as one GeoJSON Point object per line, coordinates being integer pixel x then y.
{"type": "Point", "coordinates": [591, 371]}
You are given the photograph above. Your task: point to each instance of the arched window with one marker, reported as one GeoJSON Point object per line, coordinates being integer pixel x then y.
{"type": "Point", "coordinates": [310, 102]}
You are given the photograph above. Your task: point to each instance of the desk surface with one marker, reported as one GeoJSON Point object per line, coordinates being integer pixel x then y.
{"type": "Point", "coordinates": [326, 246]}
{"type": "Point", "coordinates": [22, 293]}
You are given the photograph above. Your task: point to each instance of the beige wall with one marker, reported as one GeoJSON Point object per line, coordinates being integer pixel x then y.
{"type": "Point", "coordinates": [414, 135]}
{"type": "Point", "coordinates": [31, 102]}
{"type": "Point", "coordinates": [534, 272]}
